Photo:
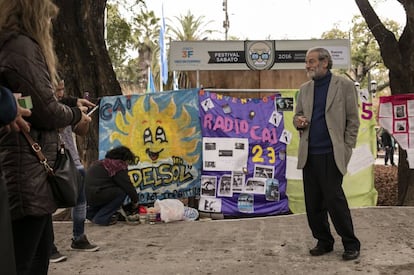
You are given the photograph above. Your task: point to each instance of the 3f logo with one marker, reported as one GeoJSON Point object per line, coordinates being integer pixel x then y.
{"type": "Point", "coordinates": [187, 53]}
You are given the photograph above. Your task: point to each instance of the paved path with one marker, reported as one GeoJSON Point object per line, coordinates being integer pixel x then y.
{"type": "Point", "coordinates": [271, 245]}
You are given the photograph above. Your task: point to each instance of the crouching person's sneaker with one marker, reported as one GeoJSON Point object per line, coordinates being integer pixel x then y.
{"type": "Point", "coordinates": [83, 245]}
{"type": "Point", "coordinates": [57, 257]}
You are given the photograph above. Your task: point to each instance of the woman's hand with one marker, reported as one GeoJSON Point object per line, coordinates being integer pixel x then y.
{"type": "Point", "coordinates": [82, 127]}
{"type": "Point", "coordinates": [19, 123]}
{"type": "Point", "coordinates": [82, 102]}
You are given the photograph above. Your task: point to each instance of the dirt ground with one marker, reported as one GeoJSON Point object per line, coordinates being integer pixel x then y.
{"type": "Point", "coordinates": [386, 183]}
{"type": "Point", "coordinates": [270, 245]}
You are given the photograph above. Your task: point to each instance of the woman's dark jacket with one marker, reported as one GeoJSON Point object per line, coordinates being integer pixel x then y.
{"type": "Point", "coordinates": [23, 70]}
{"type": "Point", "coordinates": [101, 188]}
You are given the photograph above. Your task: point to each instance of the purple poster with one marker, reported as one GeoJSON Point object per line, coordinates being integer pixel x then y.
{"type": "Point", "coordinates": [244, 155]}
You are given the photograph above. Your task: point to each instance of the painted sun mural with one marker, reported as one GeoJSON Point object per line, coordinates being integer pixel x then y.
{"type": "Point", "coordinates": [158, 136]}
{"type": "Point", "coordinates": [163, 131]}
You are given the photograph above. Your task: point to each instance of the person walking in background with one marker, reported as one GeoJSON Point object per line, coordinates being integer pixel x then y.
{"type": "Point", "coordinates": [326, 116]}
{"type": "Point", "coordinates": [79, 241]}
{"type": "Point", "coordinates": [11, 117]}
{"type": "Point", "coordinates": [388, 144]}
{"type": "Point", "coordinates": [28, 66]}
{"type": "Point", "coordinates": [108, 184]}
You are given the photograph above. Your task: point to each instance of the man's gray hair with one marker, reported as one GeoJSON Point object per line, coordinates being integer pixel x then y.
{"type": "Point", "coordinates": [323, 54]}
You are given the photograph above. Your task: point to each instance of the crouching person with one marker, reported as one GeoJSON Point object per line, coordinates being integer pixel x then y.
{"type": "Point", "coordinates": [108, 184]}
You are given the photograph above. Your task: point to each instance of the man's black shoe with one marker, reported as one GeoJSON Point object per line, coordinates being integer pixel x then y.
{"type": "Point", "coordinates": [320, 250]}
{"type": "Point", "coordinates": [350, 255]}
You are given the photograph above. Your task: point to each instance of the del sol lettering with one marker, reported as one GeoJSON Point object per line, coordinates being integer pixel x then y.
{"type": "Point", "coordinates": [163, 175]}
{"type": "Point", "coordinates": [240, 126]}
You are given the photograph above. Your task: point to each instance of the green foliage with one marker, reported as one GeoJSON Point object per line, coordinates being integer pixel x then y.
{"type": "Point", "coordinates": [335, 33]}
{"type": "Point", "coordinates": [146, 35]}
{"type": "Point", "coordinates": [140, 35]}
{"type": "Point", "coordinates": [118, 39]}
{"type": "Point", "coordinates": [145, 28]}
{"type": "Point", "coordinates": [366, 60]}
{"type": "Point", "coordinates": [131, 41]}
{"type": "Point", "coordinates": [190, 28]}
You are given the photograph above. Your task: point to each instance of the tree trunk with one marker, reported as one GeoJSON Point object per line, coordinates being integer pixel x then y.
{"type": "Point", "coordinates": [84, 61]}
{"type": "Point", "coordinates": [405, 181]}
{"type": "Point", "coordinates": [398, 57]}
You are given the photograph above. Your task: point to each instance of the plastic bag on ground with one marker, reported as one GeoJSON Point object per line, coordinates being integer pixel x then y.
{"type": "Point", "coordinates": [170, 209]}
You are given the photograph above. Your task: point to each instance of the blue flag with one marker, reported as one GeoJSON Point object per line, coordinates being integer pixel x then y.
{"type": "Point", "coordinates": [163, 51]}
{"type": "Point", "coordinates": [150, 82]}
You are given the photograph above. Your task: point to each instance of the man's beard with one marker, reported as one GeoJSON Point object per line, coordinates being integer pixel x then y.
{"type": "Point", "coordinates": [315, 74]}
{"type": "Point", "coordinates": [310, 74]}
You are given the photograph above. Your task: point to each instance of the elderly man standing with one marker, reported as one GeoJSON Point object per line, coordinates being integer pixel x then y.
{"type": "Point", "coordinates": [326, 116]}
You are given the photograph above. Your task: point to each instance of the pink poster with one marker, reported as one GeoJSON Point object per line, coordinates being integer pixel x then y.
{"type": "Point", "coordinates": [396, 115]}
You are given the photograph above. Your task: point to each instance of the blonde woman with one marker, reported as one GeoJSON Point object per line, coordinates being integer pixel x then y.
{"type": "Point", "coordinates": [28, 66]}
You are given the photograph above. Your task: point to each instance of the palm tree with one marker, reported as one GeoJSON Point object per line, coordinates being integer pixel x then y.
{"type": "Point", "coordinates": [145, 37]}
{"type": "Point", "coordinates": [189, 28]}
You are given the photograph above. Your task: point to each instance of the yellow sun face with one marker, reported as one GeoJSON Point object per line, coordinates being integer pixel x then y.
{"type": "Point", "coordinates": [157, 135]}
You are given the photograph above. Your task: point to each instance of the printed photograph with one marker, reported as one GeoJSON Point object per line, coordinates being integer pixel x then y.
{"type": "Point", "coordinates": [245, 203]}
{"type": "Point", "coordinates": [237, 181]}
{"type": "Point", "coordinates": [400, 126]}
{"type": "Point", "coordinates": [210, 146]}
{"type": "Point", "coordinates": [224, 188]}
{"type": "Point", "coordinates": [276, 118]}
{"type": "Point", "coordinates": [208, 186]}
{"type": "Point", "coordinates": [208, 204]}
{"type": "Point", "coordinates": [272, 190]}
{"type": "Point", "coordinates": [225, 153]}
{"type": "Point", "coordinates": [239, 146]}
{"type": "Point", "coordinates": [284, 104]}
{"type": "Point", "coordinates": [399, 111]}
{"type": "Point", "coordinates": [210, 164]}
{"type": "Point", "coordinates": [263, 171]}
{"type": "Point", "coordinates": [285, 137]}
{"type": "Point", "coordinates": [207, 104]}
{"type": "Point", "coordinates": [255, 185]}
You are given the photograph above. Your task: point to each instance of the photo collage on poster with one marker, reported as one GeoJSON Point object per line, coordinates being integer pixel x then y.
{"type": "Point", "coordinates": [222, 154]}
{"type": "Point", "coordinates": [396, 115]}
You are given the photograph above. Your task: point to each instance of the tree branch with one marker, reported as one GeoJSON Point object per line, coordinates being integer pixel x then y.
{"type": "Point", "coordinates": [386, 39]}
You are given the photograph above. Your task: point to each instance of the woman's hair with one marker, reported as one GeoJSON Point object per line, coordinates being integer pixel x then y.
{"type": "Point", "coordinates": [122, 153]}
{"type": "Point", "coordinates": [323, 54]}
{"type": "Point", "coordinates": [32, 18]}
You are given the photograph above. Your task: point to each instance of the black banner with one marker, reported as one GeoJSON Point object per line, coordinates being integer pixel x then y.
{"type": "Point", "coordinates": [226, 57]}
{"type": "Point", "coordinates": [290, 56]}
{"type": "Point", "coordinates": [238, 57]}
